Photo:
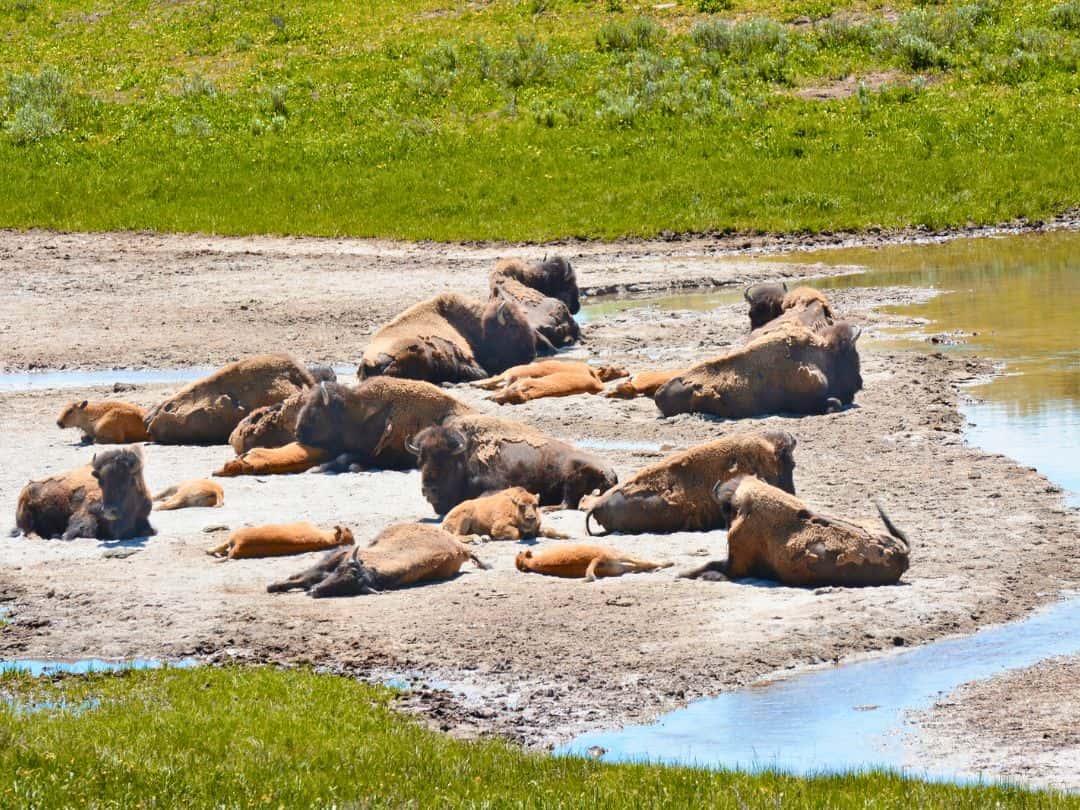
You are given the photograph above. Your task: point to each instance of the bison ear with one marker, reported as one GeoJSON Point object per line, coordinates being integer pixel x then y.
{"type": "Point", "coordinates": [855, 332]}
{"type": "Point", "coordinates": [83, 404]}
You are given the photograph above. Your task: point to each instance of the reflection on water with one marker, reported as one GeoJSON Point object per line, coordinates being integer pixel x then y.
{"type": "Point", "coordinates": [88, 665]}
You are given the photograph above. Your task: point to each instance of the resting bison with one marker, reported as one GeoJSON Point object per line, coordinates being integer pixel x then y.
{"type": "Point", "coordinates": [773, 535]}
{"type": "Point", "coordinates": [269, 426]}
{"type": "Point", "coordinates": [513, 514]}
{"type": "Point", "coordinates": [451, 338]}
{"type": "Point", "coordinates": [643, 384]}
{"type": "Point", "coordinates": [545, 368]}
{"type": "Point", "coordinates": [675, 495]}
{"type": "Point", "coordinates": [803, 305]}
{"type": "Point", "coordinates": [577, 561]}
{"type": "Point", "coordinates": [549, 317]}
{"type": "Point", "coordinates": [790, 369]}
{"type": "Point", "coordinates": [106, 422]}
{"type": "Point", "coordinates": [766, 302]}
{"type": "Point", "coordinates": [373, 421]}
{"type": "Point", "coordinates": [285, 460]}
{"type": "Point", "coordinates": [198, 493]}
{"type": "Point", "coordinates": [208, 410]}
{"type": "Point", "coordinates": [553, 277]}
{"type": "Point", "coordinates": [401, 555]}
{"type": "Point", "coordinates": [280, 540]}
{"type": "Point", "coordinates": [473, 455]}
{"type": "Point", "coordinates": [106, 499]}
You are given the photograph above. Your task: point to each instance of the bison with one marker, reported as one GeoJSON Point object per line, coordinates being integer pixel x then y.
{"type": "Point", "coordinates": [269, 426]}
{"type": "Point", "coordinates": [469, 456]}
{"type": "Point", "coordinates": [401, 555]}
{"type": "Point", "coordinates": [545, 368]}
{"type": "Point", "coordinates": [451, 338]}
{"type": "Point", "coordinates": [554, 277]}
{"type": "Point", "coordinates": [643, 384]}
{"type": "Point", "coordinates": [106, 499]}
{"type": "Point", "coordinates": [549, 317]}
{"type": "Point", "coordinates": [790, 369]}
{"type": "Point", "coordinates": [766, 302]}
{"type": "Point", "coordinates": [285, 460]}
{"type": "Point", "coordinates": [105, 422]}
{"type": "Point", "coordinates": [577, 561]}
{"type": "Point", "coordinates": [197, 493]}
{"type": "Point", "coordinates": [675, 495]}
{"type": "Point", "coordinates": [512, 514]}
{"type": "Point", "coordinates": [280, 540]}
{"type": "Point", "coordinates": [207, 411]}
{"type": "Point", "coordinates": [774, 535]}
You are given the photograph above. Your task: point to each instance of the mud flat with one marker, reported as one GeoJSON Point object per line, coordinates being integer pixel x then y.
{"type": "Point", "coordinates": [535, 659]}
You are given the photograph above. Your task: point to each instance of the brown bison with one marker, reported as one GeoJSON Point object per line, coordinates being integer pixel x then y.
{"type": "Point", "coordinates": [512, 514]}
{"type": "Point", "coordinates": [549, 317]}
{"type": "Point", "coordinates": [198, 493]}
{"type": "Point", "coordinates": [577, 561]}
{"type": "Point", "coordinates": [402, 555]}
{"type": "Point", "coordinates": [642, 384]}
{"type": "Point", "coordinates": [472, 455]}
{"type": "Point", "coordinates": [285, 460]}
{"type": "Point", "coordinates": [269, 426]}
{"type": "Point", "coordinates": [553, 277]}
{"type": "Point", "coordinates": [105, 422]}
{"type": "Point", "coordinates": [766, 302]}
{"type": "Point", "coordinates": [803, 305]}
{"type": "Point", "coordinates": [774, 535]}
{"type": "Point", "coordinates": [207, 411]}
{"type": "Point", "coordinates": [106, 499]}
{"type": "Point", "coordinates": [790, 369]}
{"type": "Point", "coordinates": [280, 540]}
{"type": "Point", "coordinates": [675, 495]}
{"type": "Point", "coordinates": [374, 421]}
{"type": "Point", "coordinates": [451, 338]}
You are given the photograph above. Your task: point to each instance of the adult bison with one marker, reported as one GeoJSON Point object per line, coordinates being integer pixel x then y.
{"type": "Point", "coordinates": [207, 411]}
{"type": "Point", "coordinates": [451, 338]}
{"type": "Point", "coordinates": [789, 369]}
{"type": "Point", "coordinates": [469, 456]}
{"type": "Point", "coordinates": [549, 317]}
{"type": "Point", "coordinates": [766, 302]}
{"type": "Point", "coordinates": [675, 494]}
{"type": "Point", "coordinates": [373, 422]}
{"type": "Point", "coordinates": [774, 535]}
{"type": "Point", "coordinates": [107, 499]}
{"type": "Point", "coordinates": [402, 555]}
{"type": "Point", "coordinates": [554, 277]}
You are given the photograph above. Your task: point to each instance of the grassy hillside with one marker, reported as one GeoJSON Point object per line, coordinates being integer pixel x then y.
{"type": "Point", "coordinates": [267, 738]}
{"type": "Point", "coordinates": [534, 119]}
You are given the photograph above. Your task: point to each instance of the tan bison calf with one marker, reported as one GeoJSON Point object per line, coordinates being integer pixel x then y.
{"type": "Point", "coordinates": [286, 460]}
{"type": "Point", "coordinates": [512, 514]}
{"type": "Point", "coordinates": [280, 540]}
{"type": "Point", "coordinates": [106, 499]}
{"type": "Point", "coordinates": [642, 384]}
{"type": "Point", "coordinates": [106, 422]}
{"type": "Point", "coordinates": [197, 493]}
{"type": "Point", "coordinates": [577, 561]}
{"type": "Point", "coordinates": [401, 555]}
{"type": "Point", "coordinates": [774, 535]}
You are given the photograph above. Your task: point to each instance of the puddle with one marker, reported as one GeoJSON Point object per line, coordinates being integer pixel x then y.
{"type": "Point", "coordinates": [846, 718]}
{"type": "Point", "coordinates": [46, 380]}
{"type": "Point", "coordinates": [87, 665]}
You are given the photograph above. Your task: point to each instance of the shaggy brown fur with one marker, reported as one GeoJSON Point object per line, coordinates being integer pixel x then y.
{"type": "Point", "coordinates": [675, 494]}
{"type": "Point", "coordinates": [208, 410]}
{"type": "Point", "coordinates": [285, 460]}
{"type": "Point", "coordinates": [554, 277]}
{"type": "Point", "coordinates": [402, 555]}
{"type": "Point", "coordinates": [545, 368]}
{"type": "Point", "coordinates": [577, 561]}
{"type": "Point", "coordinates": [512, 514]}
{"type": "Point", "coordinates": [106, 422]}
{"type": "Point", "coordinates": [549, 317]}
{"type": "Point", "coordinates": [643, 384]}
{"type": "Point", "coordinates": [197, 493]}
{"type": "Point", "coordinates": [106, 499]}
{"type": "Point", "coordinates": [280, 540]}
{"type": "Point", "coordinates": [787, 369]}
{"type": "Point", "coordinates": [774, 535]}
{"type": "Point", "coordinates": [269, 426]}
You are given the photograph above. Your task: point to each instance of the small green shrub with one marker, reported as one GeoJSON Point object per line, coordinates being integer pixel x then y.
{"type": "Point", "coordinates": [641, 33]}
{"type": "Point", "coordinates": [37, 106]}
{"type": "Point", "coordinates": [712, 36]}
{"type": "Point", "coordinates": [197, 85]}
{"type": "Point", "coordinates": [839, 33]}
{"type": "Point", "coordinates": [243, 43]}
{"type": "Point", "coordinates": [919, 53]}
{"type": "Point", "coordinates": [1066, 15]}
{"type": "Point", "coordinates": [714, 6]}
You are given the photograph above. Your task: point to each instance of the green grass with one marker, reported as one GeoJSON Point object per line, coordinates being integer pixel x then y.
{"type": "Point", "coordinates": [533, 120]}
{"type": "Point", "coordinates": [270, 738]}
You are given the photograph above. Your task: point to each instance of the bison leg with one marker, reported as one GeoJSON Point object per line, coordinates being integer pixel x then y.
{"type": "Point", "coordinates": [504, 530]}
{"type": "Point", "coordinates": [312, 576]}
{"type": "Point", "coordinates": [168, 492]}
{"type": "Point", "coordinates": [714, 571]}
{"type": "Point", "coordinates": [590, 572]}
{"type": "Point", "coordinates": [221, 550]}
{"type": "Point", "coordinates": [552, 534]}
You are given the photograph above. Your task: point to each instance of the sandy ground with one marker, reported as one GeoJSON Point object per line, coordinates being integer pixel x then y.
{"type": "Point", "coordinates": [535, 659]}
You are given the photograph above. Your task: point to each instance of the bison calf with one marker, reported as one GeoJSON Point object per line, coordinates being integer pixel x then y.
{"type": "Point", "coordinates": [280, 540]}
{"type": "Point", "coordinates": [642, 384]}
{"type": "Point", "coordinates": [106, 422]}
{"type": "Point", "coordinates": [197, 493]}
{"type": "Point", "coordinates": [285, 460]}
{"type": "Point", "coordinates": [513, 514]}
{"type": "Point", "coordinates": [577, 561]}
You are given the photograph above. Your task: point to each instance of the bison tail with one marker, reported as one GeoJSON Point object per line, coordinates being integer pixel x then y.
{"type": "Point", "coordinates": [588, 527]}
{"type": "Point", "coordinates": [712, 567]}
{"type": "Point", "coordinates": [893, 530]}
{"type": "Point", "coordinates": [483, 566]}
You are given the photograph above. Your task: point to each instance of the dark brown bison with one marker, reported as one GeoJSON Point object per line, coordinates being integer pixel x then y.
{"type": "Point", "coordinates": [790, 369]}
{"type": "Point", "coordinates": [774, 535]}
{"type": "Point", "coordinates": [805, 306]}
{"type": "Point", "coordinates": [269, 426]}
{"type": "Point", "coordinates": [207, 411]}
{"type": "Point", "coordinates": [676, 494]}
{"type": "Point", "coordinates": [451, 338]}
{"type": "Point", "coordinates": [554, 277]}
{"type": "Point", "coordinates": [766, 302]}
{"type": "Point", "coordinates": [469, 456]}
{"type": "Point", "coordinates": [549, 317]}
{"type": "Point", "coordinates": [106, 499]}
{"type": "Point", "coordinates": [372, 422]}
{"type": "Point", "coordinates": [401, 555]}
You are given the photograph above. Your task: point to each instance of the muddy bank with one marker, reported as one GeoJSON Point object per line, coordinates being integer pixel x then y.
{"type": "Point", "coordinates": [535, 659]}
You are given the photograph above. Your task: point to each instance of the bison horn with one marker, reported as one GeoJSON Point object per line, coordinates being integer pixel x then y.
{"type": "Point", "coordinates": [501, 314]}
{"type": "Point", "coordinates": [410, 445]}
{"type": "Point", "coordinates": [324, 395]}
{"type": "Point", "coordinates": [784, 285]}
{"type": "Point", "coordinates": [746, 293]}
{"type": "Point", "coordinates": [716, 490]}
{"type": "Point", "coordinates": [855, 332]}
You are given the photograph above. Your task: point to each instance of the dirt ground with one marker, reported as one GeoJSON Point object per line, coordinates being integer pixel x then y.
{"type": "Point", "coordinates": [535, 659]}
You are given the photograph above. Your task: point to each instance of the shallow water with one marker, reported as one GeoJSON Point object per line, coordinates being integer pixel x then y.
{"type": "Point", "coordinates": [87, 665]}
{"type": "Point", "coordinates": [43, 380]}
{"type": "Point", "coordinates": [845, 718]}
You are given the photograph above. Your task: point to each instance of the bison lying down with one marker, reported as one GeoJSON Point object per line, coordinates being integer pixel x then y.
{"type": "Point", "coordinates": [513, 514]}
{"type": "Point", "coordinates": [675, 494]}
{"type": "Point", "coordinates": [773, 535]}
{"type": "Point", "coordinates": [574, 378]}
{"type": "Point", "coordinates": [401, 555]}
{"type": "Point", "coordinates": [285, 460]}
{"type": "Point", "coordinates": [789, 369]}
{"type": "Point", "coordinates": [553, 325]}
{"type": "Point", "coordinates": [106, 499]}
{"type": "Point", "coordinates": [643, 384]}
{"type": "Point", "coordinates": [197, 493]}
{"type": "Point", "coordinates": [280, 540]}
{"type": "Point", "coordinates": [207, 411]}
{"type": "Point", "coordinates": [106, 422]}
{"type": "Point", "coordinates": [472, 455]}
{"type": "Point", "coordinates": [577, 561]}
{"type": "Point", "coordinates": [553, 277]}
{"type": "Point", "coordinates": [269, 426]}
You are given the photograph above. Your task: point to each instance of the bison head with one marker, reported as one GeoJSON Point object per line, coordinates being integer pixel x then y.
{"type": "Point", "coordinates": [441, 454]}
{"type": "Point", "coordinates": [507, 339]}
{"type": "Point", "coordinates": [561, 282]}
{"type": "Point", "coordinates": [124, 501]}
{"type": "Point", "coordinates": [784, 447]}
{"type": "Point", "coordinates": [336, 418]}
{"type": "Point", "coordinates": [724, 494]}
{"type": "Point", "coordinates": [766, 302]}
{"type": "Point", "coordinates": [350, 578]}
{"type": "Point", "coordinates": [72, 415]}
{"type": "Point", "coordinates": [843, 372]}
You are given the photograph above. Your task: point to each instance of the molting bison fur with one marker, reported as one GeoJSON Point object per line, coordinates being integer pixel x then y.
{"type": "Point", "coordinates": [549, 317]}
{"type": "Point", "coordinates": [554, 277]}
